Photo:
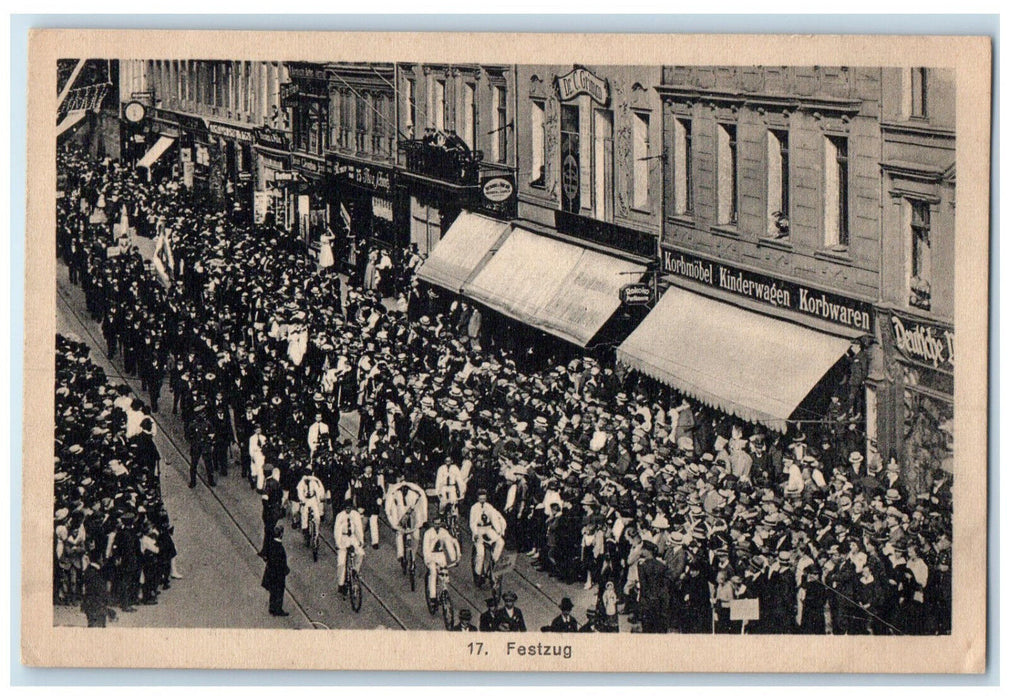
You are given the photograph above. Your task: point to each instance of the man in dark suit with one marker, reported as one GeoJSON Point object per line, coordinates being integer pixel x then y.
{"type": "Point", "coordinates": [489, 618]}
{"type": "Point", "coordinates": [510, 618]}
{"type": "Point", "coordinates": [276, 573]}
{"type": "Point", "coordinates": [564, 622]}
{"type": "Point", "coordinates": [96, 602]}
{"type": "Point", "coordinates": [654, 579]}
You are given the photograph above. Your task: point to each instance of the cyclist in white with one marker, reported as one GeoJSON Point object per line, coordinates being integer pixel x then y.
{"type": "Point", "coordinates": [311, 492]}
{"type": "Point", "coordinates": [449, 484]}
{"type": "Point", "coordinates": [256, 457]}
{"type": "Point", "coordinates": [407, 511]}
{"type": "Point", "coordinates": [319, 435]}
{"type": "Point", "coordinates": [348, 531]}
{"type": "Point", "coordinates": [488, 527]}
{"type": "Point", "coordinates": [440, 550]}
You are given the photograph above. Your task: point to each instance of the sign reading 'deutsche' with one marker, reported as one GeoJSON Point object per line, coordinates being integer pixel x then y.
{"type": "Point", "coordinates": [924, 343]}
{"type": "Point", "coordinates": [769, 290]}
{"type": "Point", "coordinates": [582, 81]}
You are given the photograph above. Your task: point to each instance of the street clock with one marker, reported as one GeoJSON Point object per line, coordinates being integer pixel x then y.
{"type": "Point", "coordinates": [134, 112]}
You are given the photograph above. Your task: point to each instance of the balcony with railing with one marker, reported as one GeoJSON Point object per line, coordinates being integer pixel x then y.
{"type": "Point", "coordinates": [442, 156]}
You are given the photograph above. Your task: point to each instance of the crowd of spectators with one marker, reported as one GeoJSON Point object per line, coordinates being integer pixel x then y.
{"type": "Point", "coordinates": [109, 516]}
{"type": "Point", "coordinates": [669, 510]}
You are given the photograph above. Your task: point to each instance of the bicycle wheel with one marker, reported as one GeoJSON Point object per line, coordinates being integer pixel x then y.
{"type": "Point", "coordinates": [411, 571]}
{"type": "Point", "coordinates": [355, 591]}
{"type": "Point", "coordinates": [314, 540]}
{"type": "Point", "coordinates": [448, 614]}
{"type": "Point", "coordinates": [478, 577]}
{"type": "Point", "coordinates": [432, 603]}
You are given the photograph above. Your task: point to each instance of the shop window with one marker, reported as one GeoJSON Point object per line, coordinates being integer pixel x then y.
{"type": "Point", "coordinates": [920, 255]}
{"type": "Point", "coordinates": [928, 437]}
{"type": "Point", "coordinates": [683, 157]}
{"type": "Point", "coordinates": [538, 143]}
{"type": "Point", "coordinates": [836, 192]}
{"type": "Point", "coordinates": [778, 184]}
{"type": "Point", "coordinates": [571, 172]}
{"type": "Point", "coordinates": [500, 127]}
{"type": "Point", "coordinates": [640, 155]}
{"type": "Point", "coordinates": [726, 162]}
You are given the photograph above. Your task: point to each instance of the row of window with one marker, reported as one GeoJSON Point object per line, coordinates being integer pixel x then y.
{"type": "Point", "coordinates": [239, 87]}
{"type": "Point", "coordinates": [467, 122]}
{"type": "Point", "coordinates": [601, 166]}
{"type": "Point", "coordinates": [777, 180]}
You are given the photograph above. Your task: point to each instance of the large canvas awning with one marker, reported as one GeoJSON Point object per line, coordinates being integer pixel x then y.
{"type": "Point", "coordinates": [462, 251]}
{"type": "Point", "coordinates": [744, 363]}
{"type": "Point", "coordinates": [561, 288]}
{"type": "Point", "coordinates": [71, 120]}
{"type": "Point", "coordinates": [157, 151]}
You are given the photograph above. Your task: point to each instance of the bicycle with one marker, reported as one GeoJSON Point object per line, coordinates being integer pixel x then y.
{"type": "Point", "coordinates": [452, 520]}
{"type": "Point", "coordinates": [442, 598]}
{"type": "Point", "coordinates": [409, 565]}
{"type": "Point", "coordinates": [352, 580]}
{"type": "Point", "coordinates": [486, 573]}
{"type": "Point", "coordinates": [312, 536]}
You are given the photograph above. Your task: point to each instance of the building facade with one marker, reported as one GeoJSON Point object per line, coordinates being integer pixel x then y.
{"type": "Point", "coordinates": [202, 122]}
{"type": "Point", "coordinates": [361, 156]}
{"type": "Point", "coordinates": [458, 133]}
{"type": "Point", "coordinates": [916, 309]}
{"type": "Point", "coordinates": [590, 147]}
{"type": "Point", "coordinates": [822, 197]}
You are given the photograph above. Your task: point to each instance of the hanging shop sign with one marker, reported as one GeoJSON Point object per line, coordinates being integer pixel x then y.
{"type": "Point", "coordinates": [778, 293]}
{"type": "Point", "coordinates": [369, 177]}
{"type": "Point", "coordinates": [308, 165]}
{"type": "Point", "coordinates": [924, 343]}
{"type": "Point", "coordinates": [582, 81]}
{"type": "Point", "coordinates": [188, 122]}
{"type": "Point", "coordinates": [636, 294]}
{"type": "Point", "coordinates": [230, 132]}
{"type": "Point", "coordinates": [271, 138]}
{"type": "Point", "coordinates": [382, 208]}
{"type": "Point", "coordinates": [498, 195]}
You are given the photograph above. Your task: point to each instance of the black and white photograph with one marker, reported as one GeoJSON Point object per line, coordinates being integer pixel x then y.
{"type": "Point", "coordinates": [505, 347]}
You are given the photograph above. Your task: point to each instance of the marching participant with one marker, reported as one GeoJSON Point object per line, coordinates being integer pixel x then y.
{"type": "Point", "coordinates": [440, 550]}
{"type": "Point", "coordinates": [407, 510]}
{"type": "Point", "coordinates": [488, 527]}
{"type": "Point", "coordinates": [450, 485]}
{"type": "Point", "coordinates": [348, 532]}
{"type": "Point", "coordinates": [310, 492]}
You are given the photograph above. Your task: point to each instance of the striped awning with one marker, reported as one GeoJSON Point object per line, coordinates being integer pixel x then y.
{"type": "Point", "coordinates": [561, 288]}
{"type": "Point", "coordinates": [743, 363]}
{"type": "Point", "coordinates": [462, 251]}
{"type": "Point", "coordinates": [157, 151]}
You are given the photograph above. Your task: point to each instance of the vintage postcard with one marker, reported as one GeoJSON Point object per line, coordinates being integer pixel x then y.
{"type": "Point", "coordinates": [506, 352]}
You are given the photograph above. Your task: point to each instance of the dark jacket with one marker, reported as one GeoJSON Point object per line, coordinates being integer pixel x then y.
{"type": "Point", "coordinates": [559, 624]}
{"type": "Point", "coordinates": [277, 566]}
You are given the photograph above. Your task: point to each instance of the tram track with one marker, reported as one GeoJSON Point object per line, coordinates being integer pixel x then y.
{"type": "Point", "coordinates": [181, 465]}
{"type": "Point", "coordinates": [461, 590]}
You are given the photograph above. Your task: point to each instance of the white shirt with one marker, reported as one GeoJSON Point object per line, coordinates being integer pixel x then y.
{"type": "Point", "coordinates": [449, 476]}
{"type": "Point", "coordinates": [406, 497]}
{"type": "Point", "coordinates": [310, 488]}
{"type": "Point", "coordinates": [439, 542]}
{"type": "Point", "coordinates": [318, 432]}
{"type": "Point", "coordinates": [484, 516]}
{"type": "Point", "coordinates": [348, 530]}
